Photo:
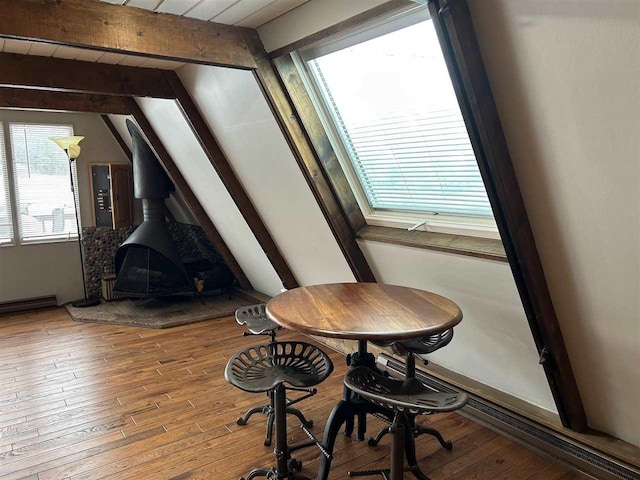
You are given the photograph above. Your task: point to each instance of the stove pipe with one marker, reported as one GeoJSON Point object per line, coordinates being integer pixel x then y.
{"type": "Point", "coordinates": [147, 263]}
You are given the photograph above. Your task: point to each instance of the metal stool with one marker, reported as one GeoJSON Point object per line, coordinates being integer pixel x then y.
{"type": "Point", "coordinates": [264, 368]}
{"type": "Point", "coordinates": [257, 322]}
{"type": "Point", "coordinates": [405, 399]}
{"type": "Point", "coordinates": [411, 348]}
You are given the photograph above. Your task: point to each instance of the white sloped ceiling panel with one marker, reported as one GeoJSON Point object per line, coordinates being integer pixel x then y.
{"type": "Point", "coordinates": [177, 137]}
{"type": "Point", "coordinates": [238, 115]}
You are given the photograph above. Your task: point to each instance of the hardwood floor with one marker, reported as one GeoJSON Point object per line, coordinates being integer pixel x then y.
{"type": "Point", "coordinates": [88, 401]}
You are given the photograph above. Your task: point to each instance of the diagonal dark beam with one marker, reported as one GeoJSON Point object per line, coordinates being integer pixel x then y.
{"type": "Point", "coordinates": [289, 121]}
{"type": "Point", "coordinates": [187, 194]}
{"type": "Point", "coordinates": [71, 102]}
{"type": "Point", "coordinates": [321, 143]}
{"type": "Point", "coordinates": [115, 28]}
{"type": "Point", "coordinates": [455, 30]}
{"type": "Point", "coordinates": [85, 77]}
{"type": "Point", "coordinates": [228, 177]}
{"type": "Point", "coordinates": [118, 138]}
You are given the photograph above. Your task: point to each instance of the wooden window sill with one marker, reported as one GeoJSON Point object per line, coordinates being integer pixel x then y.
{"type": "Point", "coordinates": [487, 248]}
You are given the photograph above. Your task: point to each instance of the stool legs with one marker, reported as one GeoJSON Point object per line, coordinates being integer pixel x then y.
{"type": "Point", "coordinates": [268, 410]}
{"type": "Point", "coordinates": [398, 433]}
{"type": "Point", "coordinates": [397, 450]}
{"type": "Point", "coordinates": [285, 465]}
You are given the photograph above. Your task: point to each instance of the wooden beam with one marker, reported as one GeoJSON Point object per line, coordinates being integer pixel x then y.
{"type": "Point", "coordinates": [462, 54]}
{"type": "Point", "coordinates": [83, 77]}
{"type": "Point", "coordinates": [118, 138]}
{"type": "Point", "coordinates": [317, 134]}
{"type": "Point", "coordinates": [289, 121]}
{"type": "Point", "coordinates": [224, 170]}
{"type": "Point", "coordinates": [115, 28]}
{"type": "Point", "coordinates": [187, 194]}
{"type": "Point", "coordinates": [71, 102]}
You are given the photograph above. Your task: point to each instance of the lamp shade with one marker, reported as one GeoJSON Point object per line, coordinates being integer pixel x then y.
{"type": "Point", "coordinates": [69, 144]}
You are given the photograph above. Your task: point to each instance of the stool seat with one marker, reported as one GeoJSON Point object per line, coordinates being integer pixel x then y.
{"type": "Point", "coordinates": [421, 345]}
{"type": "Point", "coordinates": [409, 396]}
{"type": "Point", "coordinates": [266, 368]}
{"type": "Point", "coordinates": [263, 367]}
{"type": "Point", "coordinates": [256, 320]}
{"type": "Point", "coordinates": [406, 399]}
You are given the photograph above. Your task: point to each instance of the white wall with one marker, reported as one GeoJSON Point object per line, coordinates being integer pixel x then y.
{"type": "Point", "coordinates": [566, 79]}
{"type": "Point", "coordinates": [54, 268]}
{"type": "Point", "coordinates": [235, 109]}
{"type": "Point", "coordinates": [177, 137]}
{"type": "Point", "coordinates": [493, 343]}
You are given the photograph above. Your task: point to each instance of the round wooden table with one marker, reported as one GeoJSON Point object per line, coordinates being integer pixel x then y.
{"type": "Point", "coordinates": [364, 312]}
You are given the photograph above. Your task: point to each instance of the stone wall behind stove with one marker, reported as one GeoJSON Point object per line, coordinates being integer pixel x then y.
{"type": "Point", "coordinates": [100, 245]}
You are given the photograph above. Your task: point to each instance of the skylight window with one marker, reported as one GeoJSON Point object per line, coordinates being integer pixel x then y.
{"type": "Point", "coordinates": [390, 104]}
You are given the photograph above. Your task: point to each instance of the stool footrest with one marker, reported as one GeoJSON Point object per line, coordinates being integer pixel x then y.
{"type": "Point", "coordinates": [317, 442]}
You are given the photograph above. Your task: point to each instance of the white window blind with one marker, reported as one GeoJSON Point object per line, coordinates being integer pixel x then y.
{"type": "Point", "coordinates": [6, 225]}
{"type": "Point", "coordinates": [46, 206]}
{"type": "Point", "coordinates": [394, 108]}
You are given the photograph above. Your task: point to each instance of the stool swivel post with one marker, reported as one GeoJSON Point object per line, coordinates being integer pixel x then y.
{"type": "Point", "coordinates": [256, 320]}
{"type": "Point", "coordinates": [264, 368]}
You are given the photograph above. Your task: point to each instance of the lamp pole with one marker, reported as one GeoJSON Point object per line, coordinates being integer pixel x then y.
{"type": "Point", "coordinates": [72, 149]}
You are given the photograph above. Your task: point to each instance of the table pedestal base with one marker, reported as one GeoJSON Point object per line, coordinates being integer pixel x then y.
{"type": "Point", "coordinates": [351, 407]}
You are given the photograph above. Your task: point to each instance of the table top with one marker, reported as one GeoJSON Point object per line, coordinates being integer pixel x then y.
{"type": "Point", "coordinates": [363, 311]}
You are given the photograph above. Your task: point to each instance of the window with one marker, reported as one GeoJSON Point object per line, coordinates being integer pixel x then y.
{"type": "Point", "coordinates": [6, 223]}
{"type": "Point", "coordinates": [45, 206]}
{"type": "Point", "coordinates": [386, 99]}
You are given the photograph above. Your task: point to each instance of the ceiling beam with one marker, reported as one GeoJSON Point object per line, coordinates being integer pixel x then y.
{"type": "Point", "coordinates": [460, 47]}
{"type": "Point", "coordinates": [228, 177]}
{"type": "Point", "coordinates": [297, 137]}
{"type": "Point", "coordinates": [187, 194]}
{"type": "Point", "coordinates": [63, 101]}
{"type": "Point", "coordinates": [103, 26]}
{"type": "Point", "coordinates": [82, 77]}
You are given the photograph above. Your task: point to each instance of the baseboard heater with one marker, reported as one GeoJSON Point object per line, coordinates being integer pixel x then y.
{"type": "Point", "coordinates": [524, 431]}
{"type": "Point", "coordinates": [16, 306]}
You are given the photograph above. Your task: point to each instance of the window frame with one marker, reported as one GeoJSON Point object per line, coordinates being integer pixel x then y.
{"type": "Point", "coordinates": [450, 224]}
{"type": "Point", "coordinates": [17, 239]}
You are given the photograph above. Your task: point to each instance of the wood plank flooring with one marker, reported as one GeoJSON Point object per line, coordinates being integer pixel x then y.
{"type": "Point", "coordinates": [87, 401]}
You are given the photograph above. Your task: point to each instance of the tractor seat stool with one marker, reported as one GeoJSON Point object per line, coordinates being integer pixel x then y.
{"type": "Point", "coordinates": [263, 368]}
{"type": "Point", "coordinates": [256, 320]}
{"type": "Point", "coordinates": [411, 348]}
{"type": "Point", "coordinates": [404, 399]}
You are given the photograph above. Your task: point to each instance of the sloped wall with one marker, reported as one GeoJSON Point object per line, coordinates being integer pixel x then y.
{"type": "Point", "coordinates": [493, 344]}
{"type": "Point", "coordinates": [566, 78]}
{"type": "Point", "coordinates": [236, 111]}
{"type": "Point", "coordinates": [177, 137]}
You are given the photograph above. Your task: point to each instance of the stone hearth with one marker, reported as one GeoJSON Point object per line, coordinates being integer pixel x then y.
{"type": "Point", "coordinates": [178, 311]}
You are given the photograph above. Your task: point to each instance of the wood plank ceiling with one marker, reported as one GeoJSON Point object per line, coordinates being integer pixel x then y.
{"type": "Point", "coordinates": [242, 13]}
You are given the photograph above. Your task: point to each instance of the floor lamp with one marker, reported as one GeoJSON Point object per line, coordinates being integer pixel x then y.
{"type": "Point", "coordinates": [72, 149]}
